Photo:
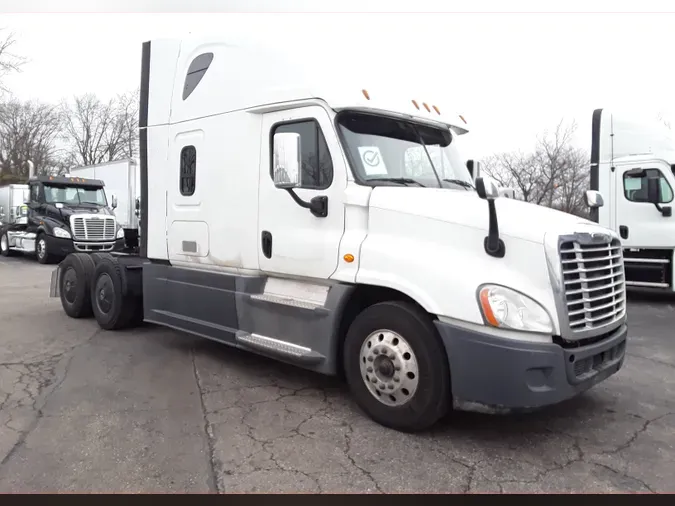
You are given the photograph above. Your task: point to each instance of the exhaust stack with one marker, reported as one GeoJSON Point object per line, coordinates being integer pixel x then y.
{"type": "Point", "coordinates": [31, 169]}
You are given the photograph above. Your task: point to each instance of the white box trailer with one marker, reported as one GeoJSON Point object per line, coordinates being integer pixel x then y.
{"type": "Point", "coordinates": [13, 209]}
{"type": "Point", "coordinates": [122, 187]}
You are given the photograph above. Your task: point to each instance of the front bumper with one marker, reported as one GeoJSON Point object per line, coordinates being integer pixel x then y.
{"type": "Point", "coordinates": [62, 247]}
{"type": "Point", "coordinates": [499, 374]}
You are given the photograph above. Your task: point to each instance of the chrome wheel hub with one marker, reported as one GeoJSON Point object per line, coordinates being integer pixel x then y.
{"type": "Point", "coordinates": [389, 367]}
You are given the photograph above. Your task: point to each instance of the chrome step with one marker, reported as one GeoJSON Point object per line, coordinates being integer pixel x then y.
{"type": "Point", "coordinates": [278, 347]}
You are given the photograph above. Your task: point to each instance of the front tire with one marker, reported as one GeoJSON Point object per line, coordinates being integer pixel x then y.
{"type": "Point", "coordinates": [41, 250]}
{"type": "Point", "coordinates": [397, 367]}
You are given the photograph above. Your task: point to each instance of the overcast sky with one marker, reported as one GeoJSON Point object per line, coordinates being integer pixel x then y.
{"type": "Point", "coordinates": [510, 75]}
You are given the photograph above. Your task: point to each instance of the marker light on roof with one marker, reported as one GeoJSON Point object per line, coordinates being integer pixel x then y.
{"type": "Point", "coordinates": [415, 104]}
{"type": "Point", "coordinates": [436, 109]}
{"type": "Point", "coordinates": [365, 94]}
{"type": "Point", "coordinates": [426, 107]}
{"type": "Point", "coordinates": [462, 118]}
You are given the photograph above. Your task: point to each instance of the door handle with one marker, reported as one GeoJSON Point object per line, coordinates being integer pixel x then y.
{"type": "Point", "coordinates": [266, 241]}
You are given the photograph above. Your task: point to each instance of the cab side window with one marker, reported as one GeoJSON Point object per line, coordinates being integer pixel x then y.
{"type": "Point", "coordinates": [635, 187]}
{"type": "Point", "coordinates": [35, 193]}
{"type": "Point", "coordinates": [315, 160]}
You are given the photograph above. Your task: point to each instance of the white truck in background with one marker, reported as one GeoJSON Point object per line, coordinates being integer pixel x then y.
{"type": "Point", "coordinates": [122, 185]}
{"type": "Point", "coordinates": [281, 214]}
{"type": "Point", "coordinates": [13, 208]}
{"type": "Point", "coordinates": [632, 166]}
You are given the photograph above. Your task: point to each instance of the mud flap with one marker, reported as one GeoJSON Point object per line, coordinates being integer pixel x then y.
{"type": "Point", "coordinates": [55, 283]}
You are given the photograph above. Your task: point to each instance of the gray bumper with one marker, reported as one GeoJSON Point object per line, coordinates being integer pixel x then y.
{"type": "Point", "coordinates": [499, 374]}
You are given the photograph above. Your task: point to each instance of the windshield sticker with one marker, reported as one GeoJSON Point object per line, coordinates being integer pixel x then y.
{"type": "Point", "coordinates": [372, 161]}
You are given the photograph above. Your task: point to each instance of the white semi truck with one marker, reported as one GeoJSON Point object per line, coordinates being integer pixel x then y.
{"type": "Point", "coordinates": [632, 165]}
{"type": "Point", "coordinates": [307, 222]}
{"type": "Point", "coordinates": [122, 185]}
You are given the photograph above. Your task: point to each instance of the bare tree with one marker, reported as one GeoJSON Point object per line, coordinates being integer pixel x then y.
{"type": "Point", "coordinates": [97, 132]}
{"type": "Point", "coordinates": [28, 131]}
{"type": "Point", "coordinates": [9, 62]}
{"type": "Point", "coordinates": [555, 174]}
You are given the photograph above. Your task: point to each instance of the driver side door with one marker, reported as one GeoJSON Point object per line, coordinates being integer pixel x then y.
{"type": "Point", "coordinates": [292, 240]}
{"type": "Point", "coordinates": [639, 222]}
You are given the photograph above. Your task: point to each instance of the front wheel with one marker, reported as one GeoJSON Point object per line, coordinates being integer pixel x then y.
{"type": "Point", "coordinates": [41, 249]}
{"type": "Point", "coordinates": [397, 367]}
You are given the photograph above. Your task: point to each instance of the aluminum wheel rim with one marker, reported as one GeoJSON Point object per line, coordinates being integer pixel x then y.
{"type": "Point", "coordinates": [4, 246]}
{"type": "Point", "coordinates": [389, 367]}
{"type": "Point", "coordinates": [41, 248]}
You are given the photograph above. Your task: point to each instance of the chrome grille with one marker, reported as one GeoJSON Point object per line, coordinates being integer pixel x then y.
{"type": "Point", "coordinates": [93, 228]}
{"type": "Point", "coordinates": [594, 280]}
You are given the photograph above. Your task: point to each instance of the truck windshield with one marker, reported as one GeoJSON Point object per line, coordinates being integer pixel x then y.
{"type": "Point", "coordinates": [388, 150]}
{"type": "Point", "coordinates": [74, 195]}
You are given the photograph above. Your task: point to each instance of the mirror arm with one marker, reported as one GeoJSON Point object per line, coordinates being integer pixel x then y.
{"type": "Point", "coordinates": [494, 246]}
{"type": "Point", "coordinates": [318, 206]}
{"type": "Point", "coordinates": [664, 210]}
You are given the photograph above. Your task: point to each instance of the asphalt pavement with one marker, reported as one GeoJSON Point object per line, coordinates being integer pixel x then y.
{"type": "Point", "coordinates": [155, 410]}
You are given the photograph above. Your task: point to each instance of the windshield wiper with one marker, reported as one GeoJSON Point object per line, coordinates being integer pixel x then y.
{"type": "Point", "coordinates": [403, 180]}
{"type": "Point", "coordinates": [459, 182]}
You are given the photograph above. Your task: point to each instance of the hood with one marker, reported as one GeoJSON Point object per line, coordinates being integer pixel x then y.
{"type": "Point", "coordinates": [68, 210]}
{"type": "Point", "coordinates": [517, 219]}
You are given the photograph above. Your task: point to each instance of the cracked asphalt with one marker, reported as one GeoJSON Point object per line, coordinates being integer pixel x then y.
{"type": "Point", "coordinates": [154, 410]}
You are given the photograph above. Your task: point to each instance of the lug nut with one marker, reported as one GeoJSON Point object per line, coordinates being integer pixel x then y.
{"type": "Point", "coordinates": [370, 369]}
{"type": "Point", "coordinates": [382, 386]}
{"type": "Point", "coordinates": [370, 359]}
{"type": "Point", "coordinates": [390, 386]}
{"type": "Point", "coordinates": [397, 379]}
{"type": "Point", "coordinates": [374, 380]}
{"type": "Point", "coordinates": [376, 352]}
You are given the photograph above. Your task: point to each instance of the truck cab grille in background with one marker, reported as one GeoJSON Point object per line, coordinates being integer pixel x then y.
{"type": "Point", "coordinates": [594, 283]}
{"type": "Point", "coordinates": [93, 228]}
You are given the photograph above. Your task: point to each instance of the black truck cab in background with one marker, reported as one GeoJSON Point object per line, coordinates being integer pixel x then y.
{"type": "Point", "coordinates": [65, 215]}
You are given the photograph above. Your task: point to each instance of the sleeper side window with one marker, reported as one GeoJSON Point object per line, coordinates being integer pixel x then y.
{"type": "Point", "coordinates": [188, 171]}
{"type": "Point", "coordinates": [635, 187]}
{"type": "Point", "coordinates": [316, 165]}
{"type": "Point", "coordinates": [196, 72]}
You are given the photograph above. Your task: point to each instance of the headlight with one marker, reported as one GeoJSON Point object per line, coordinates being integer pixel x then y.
{"type": "Point", "coordinates": [507, 309]}
{"type": "Point", "coordinates": [120, 233]}
{"type": "Point", "coordinates": [61, 232]}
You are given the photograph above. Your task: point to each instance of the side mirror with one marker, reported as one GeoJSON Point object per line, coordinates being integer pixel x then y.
{"type": "Point", "coordinates": [474, 168]}
{"type": "Point", "coordinates": [113, 201]}
{"type": "Point", "coordinates": [594, 199]}
{"type": "Point", "coordinates": [487, 190]}
{"type": "Point", "coordinates": [654, 190]}
{"type": "Point", "coordinates": [286, 160]}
